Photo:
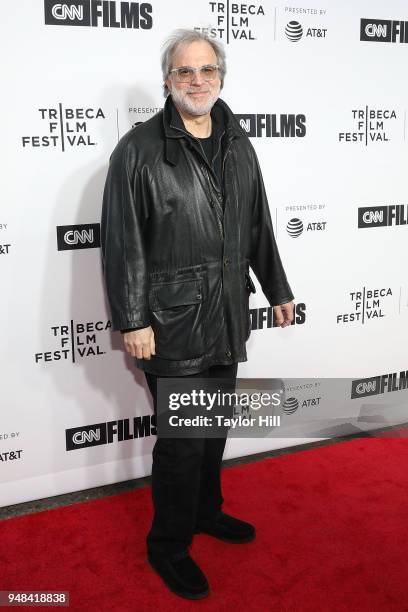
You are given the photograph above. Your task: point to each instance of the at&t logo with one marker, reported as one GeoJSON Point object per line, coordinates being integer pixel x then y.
{"type": "Point", "coordinates": [290, 405]}
{"type": "Point", "coordinates": [295, 227]}
{"type": "Point", "coordinates": [294, 32]}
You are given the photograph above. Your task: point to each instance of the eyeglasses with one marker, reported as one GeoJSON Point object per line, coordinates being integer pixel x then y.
{"type": "Point", "coordinates": [185, 74]}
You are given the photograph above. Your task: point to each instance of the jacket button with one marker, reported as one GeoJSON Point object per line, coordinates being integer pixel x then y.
{"type": "Point", "coordinates": [226, 261]}
{"type": "Point", "coordinates": [198, 296]}
{"type": "Point", "coordinates": [228, 353]}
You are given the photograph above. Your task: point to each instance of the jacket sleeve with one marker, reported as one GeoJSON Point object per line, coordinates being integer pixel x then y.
{"type": "Point", "coordinates": [265, 259]}
{"type": "Point", "coordinates": [122, 241]}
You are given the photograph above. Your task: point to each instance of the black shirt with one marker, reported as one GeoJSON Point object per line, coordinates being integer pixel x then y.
{"type": "Point", "coordinates": [213, 150]}
{"type": "Point", "coordinates": [208, 146]}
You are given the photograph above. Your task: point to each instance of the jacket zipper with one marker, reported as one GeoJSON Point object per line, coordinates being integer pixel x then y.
{"type": "Point", "coordinates": [218, 211]}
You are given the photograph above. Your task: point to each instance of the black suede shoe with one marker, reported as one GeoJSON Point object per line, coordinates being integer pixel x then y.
{"type": "Point", "coordinates": [228, 529]}
{"type": "Point", "coordinates": [181, 575]}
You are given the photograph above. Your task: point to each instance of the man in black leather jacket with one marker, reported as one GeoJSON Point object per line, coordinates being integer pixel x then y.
{"type": "Point", "coordinates": [184, 217]}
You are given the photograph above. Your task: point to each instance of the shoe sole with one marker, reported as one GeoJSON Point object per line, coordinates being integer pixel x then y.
{"type": "Point", "coordinates": [175, 591]}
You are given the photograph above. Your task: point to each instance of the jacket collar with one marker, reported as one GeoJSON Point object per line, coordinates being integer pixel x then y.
{"type": "Point", "coordinates": [174, 127]}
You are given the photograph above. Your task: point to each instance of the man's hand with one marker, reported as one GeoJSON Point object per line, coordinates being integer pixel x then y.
{"type": "Point", "coordinates": [140, 343]}
{"type": "Point", "coordinates": [283, 314]}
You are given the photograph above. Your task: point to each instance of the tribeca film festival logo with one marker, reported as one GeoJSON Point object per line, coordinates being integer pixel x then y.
{"type": "Point", "coordinates": [377, 385]}
{"type": "Point", "coordinates": [367, 304]}
{"type": "Point", "coordinates": [383, 30]}
{"type": "Point", "coordinates": [71, 237]}
{"type": "Point", "coordinates": [370, 125]}
{"type": "Point", "coordinates": [76, 341]}
{"type": "Point", "coordinates": [382, 216]}
{"type": "Point", "coordinates": [94, 13]}
{"type": "Point", "coordinates": [234, 21]}
{"type": "Point", "coordinates": [109, 432]}
{"type": "Point", "coordinates": [264, 318]}
{"type": "Point", "coordinates": [66, 127]}
{"type": "Point", "coordinates": [273, 126]}
{"type": "Point", "coordinates": [4, 247]}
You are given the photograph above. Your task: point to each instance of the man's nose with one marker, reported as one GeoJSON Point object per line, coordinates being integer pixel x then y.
{"type": "Point", "coordinates": [197, 78]}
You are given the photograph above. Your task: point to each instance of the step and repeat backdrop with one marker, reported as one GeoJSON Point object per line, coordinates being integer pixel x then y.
{"type": "Point", "coordinates": [320, 89]}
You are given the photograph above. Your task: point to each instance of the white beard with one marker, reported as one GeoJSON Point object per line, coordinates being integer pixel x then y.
{"type": "Point", "coordinates": [188, 105]}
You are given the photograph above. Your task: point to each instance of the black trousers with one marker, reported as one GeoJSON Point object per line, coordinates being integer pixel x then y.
{"type": "Point", "coordinates": [186, 479]}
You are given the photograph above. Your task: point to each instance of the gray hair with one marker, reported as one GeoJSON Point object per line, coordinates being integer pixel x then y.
{"type": "Point", "coordinates": [181, 37]}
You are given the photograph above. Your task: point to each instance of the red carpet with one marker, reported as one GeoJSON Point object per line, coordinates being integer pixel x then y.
{"type": "Point", "coordinates": [332, 535]}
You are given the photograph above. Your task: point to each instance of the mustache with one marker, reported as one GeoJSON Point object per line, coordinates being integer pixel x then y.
{"type": "Point", "coordinates": [198, 91]}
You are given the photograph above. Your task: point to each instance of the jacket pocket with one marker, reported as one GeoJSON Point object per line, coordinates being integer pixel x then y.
{"type": "Point", "coordinates": [178, 317]}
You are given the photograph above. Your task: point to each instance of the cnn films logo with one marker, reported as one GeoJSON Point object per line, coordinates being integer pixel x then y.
{"type": "Point", "coordinates": [4, 247]}
{"type": "Point", "coordinates": [371, 125]}
{"type": "Point", "coordinates": [382, 216]}
{"type": "Point", "coordinates": [94, 13]}
{"type": "Point", "coordinates": [78, 236]}
{"type": "Point", "coordinates": [263, 318]}
{"type": "Point", "coordinates": [66, 127]}
{"type": "Point", "coordinates": [273, 126]}
{"type": "Point", "coordinates": [109, 432]}
{"type": "Point", "coordinates": [366, 304]}
{"type": "Point", "coordinates": [383, 30]}
{"type": "Point", "coordinates": [234, 21]}
{"type": "Point", "coordinates": [75, 341]}
{"type": "Point", "coordinates": [377, 385]}
{"type": "Point", "coordinates": [10, 455]}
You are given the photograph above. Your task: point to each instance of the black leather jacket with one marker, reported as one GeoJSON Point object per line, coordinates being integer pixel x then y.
{"type": "Point", "coordinates": [172, 257]}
